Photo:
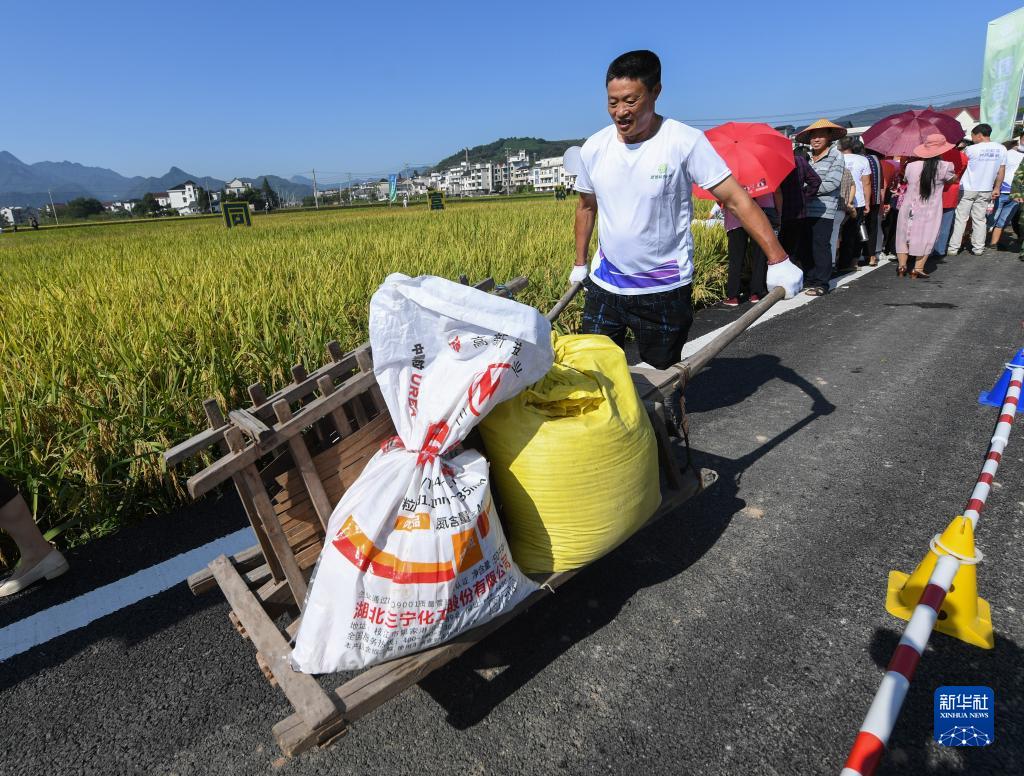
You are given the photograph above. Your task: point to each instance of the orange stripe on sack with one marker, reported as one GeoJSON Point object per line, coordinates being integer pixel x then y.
{"type": "Point", "coordinates": [419, 522]}
{"type": "Point", "coordinates": [355, 545]}
{"type": "Point", "coordinates": [467, 549]}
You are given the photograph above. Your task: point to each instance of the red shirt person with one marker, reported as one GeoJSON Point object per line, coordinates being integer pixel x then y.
{"type": "Point", "coordinates": [950, 197]}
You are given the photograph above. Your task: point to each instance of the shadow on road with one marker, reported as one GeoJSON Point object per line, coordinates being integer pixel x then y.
{"type": "Point", "coordinates": [951, 662]}
{"type": "Point", "coordinates": [471, 687]}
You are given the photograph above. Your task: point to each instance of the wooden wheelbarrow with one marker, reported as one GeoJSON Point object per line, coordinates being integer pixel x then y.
{"type": "Point", "coordinates": [292, 455]}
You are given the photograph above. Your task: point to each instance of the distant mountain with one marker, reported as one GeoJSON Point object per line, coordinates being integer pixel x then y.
{"type": "Point", "coordinates": [34, 184]}
{"type": "Point", "coordinates": [286, 188]}
{"type": "Point", "coordinates": [495, 152]}
{"type": "Point", "coordinates": [170, 179]}
{"type": "Point", "coordinates": [867, 117]}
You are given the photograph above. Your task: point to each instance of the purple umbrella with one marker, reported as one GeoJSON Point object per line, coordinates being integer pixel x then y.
{"type": "Point", "coordinates": [900, 133]}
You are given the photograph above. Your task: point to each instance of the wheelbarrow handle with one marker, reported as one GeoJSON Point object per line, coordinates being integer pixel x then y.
{"type": "Point", "coordinates": [688, 368]}
{"type": "Point", "coordinates": [562, 303]}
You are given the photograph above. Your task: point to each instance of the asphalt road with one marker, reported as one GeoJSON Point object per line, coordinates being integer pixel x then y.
{"type": "Point", "coordinates": [745, 634]}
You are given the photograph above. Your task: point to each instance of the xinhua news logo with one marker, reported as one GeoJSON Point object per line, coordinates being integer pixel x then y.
{"type": "Point", "coordinates": [965, 716]}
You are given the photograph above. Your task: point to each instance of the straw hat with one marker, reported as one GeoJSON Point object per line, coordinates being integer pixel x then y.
{"type": "Point", "coordinates": [933, 145]}
{"type": "Point", "coordinates": [804, 135]}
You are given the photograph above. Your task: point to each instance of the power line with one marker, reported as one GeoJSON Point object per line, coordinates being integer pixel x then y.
{"type": "Point", "coordinates": [825, 111]}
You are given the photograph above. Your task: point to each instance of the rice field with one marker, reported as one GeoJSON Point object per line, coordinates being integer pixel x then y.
{"type": "Point", "coordinates": [112, 336]}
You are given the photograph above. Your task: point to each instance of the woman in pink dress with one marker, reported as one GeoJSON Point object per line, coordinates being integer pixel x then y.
{"type": "Point", "coordinates": [921, 208]}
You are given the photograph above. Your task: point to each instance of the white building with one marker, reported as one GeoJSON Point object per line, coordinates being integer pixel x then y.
{"type": "Point", "coordinates": [547, 173]}
{"type": "Point", "coordinates": [513, 173]}
{"type": "Point", "coordinates": [183, 196]}
{"type": "Point", "coordinates": [11, 215]}
{"type": "Point", "coordinates": [237, 187]}
{"type": "Point", "coordinates": [969, 117]}
{"type": "Point", "coordinates": [163, 199]}
{"type": "Point", "coordinates": [122, 205]}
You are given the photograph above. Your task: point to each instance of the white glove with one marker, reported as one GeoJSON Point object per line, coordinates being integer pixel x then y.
{"type": "Point", "coordinates": [787, 275]}
{"type": "Point", "coordinates": [579, 273]}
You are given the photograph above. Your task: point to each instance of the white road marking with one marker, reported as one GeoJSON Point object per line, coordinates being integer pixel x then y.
{"type": "Point", "coordinates": [79, 612]}
{"type": "Point", "coordinates": [71, 615]}
{"type": "Point", "coordinates": [785, 306]}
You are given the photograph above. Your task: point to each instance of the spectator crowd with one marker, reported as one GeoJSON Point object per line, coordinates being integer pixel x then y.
{"type": "Point", "coordinates": [844, 205]}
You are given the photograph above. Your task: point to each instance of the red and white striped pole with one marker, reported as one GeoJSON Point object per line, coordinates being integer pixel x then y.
{"type": "Point", "coordinates": [874, 733]}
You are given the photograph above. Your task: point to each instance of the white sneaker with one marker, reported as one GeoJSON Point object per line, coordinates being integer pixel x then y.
{"type": "Point", "coordinates": [51, 566]}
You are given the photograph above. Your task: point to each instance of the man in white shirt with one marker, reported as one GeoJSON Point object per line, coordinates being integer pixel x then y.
{"type": "Point", "coordinates": [860, 171]}
{"type": "Point", "coordinates": [639, 173]}
{"type": "Point", "coordinates": [1006, 208]}
{"type": "Point", "coordinates": [980, 184]}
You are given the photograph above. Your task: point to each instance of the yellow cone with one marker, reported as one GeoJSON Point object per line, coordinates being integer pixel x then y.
{"type": "Point", "coordinates": [963, 615]}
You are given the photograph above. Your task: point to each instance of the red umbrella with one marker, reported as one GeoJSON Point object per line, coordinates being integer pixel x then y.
{"type": "Point", "coordinates": [758, 156]}
{"type": "Point", "coordinates": [900, 133]}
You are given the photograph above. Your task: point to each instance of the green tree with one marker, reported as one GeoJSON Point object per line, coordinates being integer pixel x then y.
{"type": "Point", "coordinates": [83, 207]}
{"type": "Point", "coordinates": [148, 206]}
{"type": "Point", "coordinates": [270, 197]}
{"type": "Point", "coordinates": [203, 200]}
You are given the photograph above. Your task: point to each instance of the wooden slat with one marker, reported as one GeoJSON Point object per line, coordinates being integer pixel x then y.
{"type": "Point", "coordinates": [279, 550]}
{"type": "Point", "coordinates": [341, 421]}
{"type": "Point", "coordinates": [337, 466]}
{"type": "Point", "coordinates": [224, 467]}
{"type": "Point", "coordinates": [340, 369]}
{"type": "Point", "coordinates": [315, 707]}
{"type": "Point", "coordinates": [235, 444]}
{"type": "Point", "coordinates": [646, 380]}
{"type": "Point", "coordinates": [193, 445]}
{"type": "Point", "coordinates": [304, 461]}
{"type": "Point", "coordinates": [250, 424]}
{"type": "Point", "coordinates": [246, 560]}
{"type": "Point", "coordinates": [258, 395]}
{"type": "Point", "coordinates": [365, 361]}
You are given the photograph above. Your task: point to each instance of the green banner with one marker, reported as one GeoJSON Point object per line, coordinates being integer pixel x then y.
{"type": "Point", "coordinates": [1001, 78]}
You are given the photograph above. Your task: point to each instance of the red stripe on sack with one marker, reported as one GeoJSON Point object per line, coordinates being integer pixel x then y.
{"type": "Point", "coordinates": [904, 661]}
{"type": "Point", "coordinates": [866, 753]}
{"type": "Point", "coordinates": [933, 596]}
{"type": "Point", "coordinates": [986, 478]}
{"type": "Point", "coordinates": [976, 504]}
{"type": "Point", "coordinates": [1006, 418]}
{"type": "Point", "coordinates": [994, 456]}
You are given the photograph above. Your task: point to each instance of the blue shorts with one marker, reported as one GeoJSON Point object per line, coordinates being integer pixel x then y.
{"type": "Point", "coordinates": [1005, 210]}
{"type": "Point", "coordinates": [660, 322]}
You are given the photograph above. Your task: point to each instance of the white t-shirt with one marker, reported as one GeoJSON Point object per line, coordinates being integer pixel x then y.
{"type": "Point", "coordinates": [1013, 159]}
{"type": "Point", "coordinates": [858, 167]}
{"type": "Point", "coordinates": [983, 163]}
{"type": "Point", "coordinates": [644, 206]}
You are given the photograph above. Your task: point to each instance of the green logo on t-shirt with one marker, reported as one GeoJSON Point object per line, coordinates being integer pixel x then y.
{"type": "Point", "coordinates": [661, 174]}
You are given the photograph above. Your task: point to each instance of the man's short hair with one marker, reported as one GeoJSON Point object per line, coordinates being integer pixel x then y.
{"type": "Point", "coordinates": [845, 143]}
{"type": "Point", "coordinates": [642, 65]}
{"type": "Point", "coordinates": [984, 130]}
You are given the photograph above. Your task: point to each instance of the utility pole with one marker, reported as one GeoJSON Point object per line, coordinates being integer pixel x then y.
{"type": "Point", "coordinates": [350, 188]}
{"type": "Point", "coordinates": [316, 200]}
{"type": "Point", "coordinates": [53, 207]}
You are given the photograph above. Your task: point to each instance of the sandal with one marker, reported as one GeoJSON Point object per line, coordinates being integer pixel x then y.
{"type": "Point", "coordinates": [814, 291]}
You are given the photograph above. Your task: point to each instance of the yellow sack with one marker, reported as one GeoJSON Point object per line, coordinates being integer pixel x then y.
{"type": "Point", "coordinates": [574, 458]}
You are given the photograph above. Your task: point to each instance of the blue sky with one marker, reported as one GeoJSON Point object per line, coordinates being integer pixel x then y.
{"type": "Point", "coordinates": [245, 88]}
